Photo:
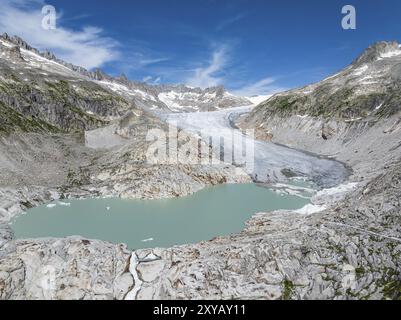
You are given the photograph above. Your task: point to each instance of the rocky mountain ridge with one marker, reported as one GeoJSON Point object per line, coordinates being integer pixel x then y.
{"type": "Point", "coordinates": [369, 87]}
{"type": "Point", "coordinates": [156, 98]}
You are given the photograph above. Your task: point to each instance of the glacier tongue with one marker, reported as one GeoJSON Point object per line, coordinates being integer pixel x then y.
{"type": "Point", "coordinates": [270, 161]}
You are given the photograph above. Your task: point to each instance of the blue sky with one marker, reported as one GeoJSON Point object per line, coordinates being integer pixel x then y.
{"type": "Point", "coordinates": [250, 46]}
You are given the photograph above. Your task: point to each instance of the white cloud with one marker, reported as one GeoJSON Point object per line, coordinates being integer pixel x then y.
{"type": "Point", "coordinates": [264, 86]}
{"type": "Point", "coordinates": [147, 79]}
{"type": "Point", "coordinates": [151, 80]}
{"type": "Point", "coordinates": [157, 80]}
{"type": "Point", "coordinates": [208, 76]}
{"type": "Point", "coordinates": [87, 47]}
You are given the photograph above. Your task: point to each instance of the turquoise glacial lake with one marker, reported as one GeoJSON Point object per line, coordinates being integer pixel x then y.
{"type": "Point", "coordinates": [212, 212]}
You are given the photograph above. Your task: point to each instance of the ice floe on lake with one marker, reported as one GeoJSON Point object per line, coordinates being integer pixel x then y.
{"type": "Point", "coordinates": [64, 204]}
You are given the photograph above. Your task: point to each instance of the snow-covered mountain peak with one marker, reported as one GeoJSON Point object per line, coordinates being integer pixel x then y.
{"type": "Point", "coordinates": [162, 98]}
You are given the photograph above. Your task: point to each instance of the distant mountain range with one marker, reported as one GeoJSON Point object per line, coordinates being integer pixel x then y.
{"type": "Point", "coordinates": [165, 98]}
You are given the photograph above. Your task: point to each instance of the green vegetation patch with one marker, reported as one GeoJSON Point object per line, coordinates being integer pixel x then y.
{"type": "Point", "coordinates": [13, 121]}
{"type": "Point", "coordinates": [288, 289]}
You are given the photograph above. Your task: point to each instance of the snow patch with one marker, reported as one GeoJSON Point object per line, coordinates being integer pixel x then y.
{"type": "Point", "coordinates": [256, 100]}
{"type": "Point", "coordinates": [298, 191]}
{"type": "Point", "coordinates": [361, 70]}
{"type": "Point", "coordinates": [342, 188]}
{"type": "Point", "coordinates": [331, 77]}
{"type": "Point", "coordinates": [137, 282]}
{"type": "Point", "coordinates": [122, 89]}
{"type": "Point", "coordinates": [170, 99]}
{"type": "Point", "coordinates": [390, 54]}
{"type": "Point", "coordinates": [311, 209]}
{"type": "Point", "coordinates": [39, 62]}
{"type": "Point", "coordinates": [6, 44]}
{"type": "Point", "coordinates": [324, 198]}
{"type": "Point", "coordinates": [352, 120]}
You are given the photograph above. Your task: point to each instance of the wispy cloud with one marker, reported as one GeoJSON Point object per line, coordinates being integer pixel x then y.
{"type": "Point", "coordinates": [266, 86]}
{"type": "Point", "coordinates": [229, 21]}
{"type": "Point", "coordinates": [152, 80]}
{"type": "Point", "coordinates": [87, 47]}
{"type": "Point", "coordinates": [210, 75]}
{"type": "Point", "coordinates": [90, 47]}
{"type": "Point", "coordinates": [143, 62]}
{"type": "Point", "coordinates": [74, 18]}
{"type": "Point", "coordinates": [138, 62]}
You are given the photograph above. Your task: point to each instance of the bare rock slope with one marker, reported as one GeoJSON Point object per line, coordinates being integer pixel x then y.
{"type": "Point", "coordinates": [351, 250]}
{"type": "Point", "coordinates": [46, 106]}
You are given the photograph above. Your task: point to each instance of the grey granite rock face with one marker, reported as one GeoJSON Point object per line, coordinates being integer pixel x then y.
{"type": "Point", "coordinates": [71, 268]}
{"type": "Point", "coordinates": [374, 52]}
{"type": "Point", "coordinates": [13, 53]}
{"type": "Point", "coordinates": [6, 235]}
{"type": "Point", "coordinates": [351, 251]}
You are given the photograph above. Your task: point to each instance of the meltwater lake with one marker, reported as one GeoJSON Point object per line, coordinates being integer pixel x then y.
{"type": "Point", "coordinates": [214, 211]}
